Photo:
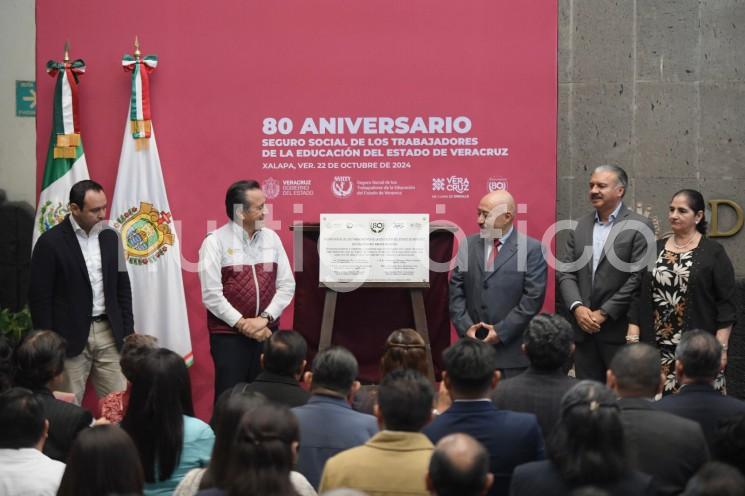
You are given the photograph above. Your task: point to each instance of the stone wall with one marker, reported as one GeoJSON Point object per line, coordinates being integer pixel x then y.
{"type": "Point", "coordinates": [657, 87]}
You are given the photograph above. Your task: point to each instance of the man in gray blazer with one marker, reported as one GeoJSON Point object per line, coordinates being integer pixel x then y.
{"type": "Point", "coordinates": [600, 271]}
{"type": "Point", "coordinates": [499, 282]}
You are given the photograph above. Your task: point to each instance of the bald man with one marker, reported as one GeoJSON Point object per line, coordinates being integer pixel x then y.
{"type": "Point", "coordinates": [459, 465]}
{"type": "Point", "coordinates": [499, 282]}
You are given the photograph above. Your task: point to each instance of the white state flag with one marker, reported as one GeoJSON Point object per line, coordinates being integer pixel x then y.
{"type": "Point", "coordinates": [142, 215]}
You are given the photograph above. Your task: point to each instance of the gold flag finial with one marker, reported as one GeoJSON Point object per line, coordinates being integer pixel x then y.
{"type": "Point", "coordinates": [137, 47]}
{"type": "Point", "coordinates": [67, 51]}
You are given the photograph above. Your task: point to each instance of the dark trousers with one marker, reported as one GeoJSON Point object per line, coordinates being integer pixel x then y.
{"type": "Point", "coordinates": [237, 359]}
{"type": "Point", "coordinates": [592, 358]}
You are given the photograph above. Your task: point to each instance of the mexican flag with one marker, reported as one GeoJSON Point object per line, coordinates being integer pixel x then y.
{"type": "Point", "coordinates": [65, 164]}
{"type": "Point", "coordinates": [142, 215]}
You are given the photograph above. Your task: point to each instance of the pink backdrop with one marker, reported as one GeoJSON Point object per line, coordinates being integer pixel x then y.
{"type": "Point", "coordinates": [227, 66]}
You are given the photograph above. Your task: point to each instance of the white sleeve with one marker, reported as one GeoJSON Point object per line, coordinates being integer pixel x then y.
{"type": "Point", "coordinates": [285, 282]}
{"type": "Point", "coordinates": [210, 278]}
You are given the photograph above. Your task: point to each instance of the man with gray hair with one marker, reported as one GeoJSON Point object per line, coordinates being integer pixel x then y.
{"type": "Point", "coordinates": [652, 435]}
{"type": "Point", "coordinates": [328, 425]}
{"type": "Point", "coordinates": [600, 270]}
{"type": "Point", "coordinates": [697, 363]}
{"type": "Point", "coordinates": [459, 467]}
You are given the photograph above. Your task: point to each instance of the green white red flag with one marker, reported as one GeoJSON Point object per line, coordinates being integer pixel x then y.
{"type": "Point", "coordinates": [65, 164]}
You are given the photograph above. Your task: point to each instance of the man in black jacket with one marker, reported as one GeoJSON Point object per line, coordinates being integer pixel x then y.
{"type": "Point", "coordinates": [80, 289]}
{"type": "Point", "coordinates": [670, 448]}
{"type": "Point", "coordinates": [697, 363]}
{"type": "Point", "coordinates": [282, 363]}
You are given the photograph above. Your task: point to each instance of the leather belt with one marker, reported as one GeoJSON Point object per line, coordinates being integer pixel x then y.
{"type": "Point", "coordinates": [99, 318]}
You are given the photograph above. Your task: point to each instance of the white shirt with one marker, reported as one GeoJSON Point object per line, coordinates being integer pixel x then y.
{"type": "Point", "coordinates": [600, 234]}
{"type": "Point", "coordinates": [29, 472]}
{"type": "Point", "coordinates": [92, 254]}
{"type": "Point", "coordinates": [230, 246]}
{"type": "Point", "coordinates": [502, 241]}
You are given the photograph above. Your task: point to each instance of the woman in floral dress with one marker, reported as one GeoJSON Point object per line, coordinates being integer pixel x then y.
{"type": "Point", "coordinates": [691, 286]}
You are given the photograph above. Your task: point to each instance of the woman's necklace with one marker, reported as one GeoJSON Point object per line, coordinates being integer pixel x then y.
{"type": "Point", "coordinates": [684, 245]}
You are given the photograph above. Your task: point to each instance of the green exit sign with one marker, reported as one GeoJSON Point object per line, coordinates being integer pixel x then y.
{"type": "Point", "coordinates": [25, 98]}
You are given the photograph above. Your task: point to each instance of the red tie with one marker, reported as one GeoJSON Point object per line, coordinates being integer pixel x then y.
{"type": "Point", "coordinates": [494, 253]}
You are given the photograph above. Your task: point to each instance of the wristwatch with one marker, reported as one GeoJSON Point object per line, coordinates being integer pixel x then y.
{"type": "Point", "coordinates": [267, 316]}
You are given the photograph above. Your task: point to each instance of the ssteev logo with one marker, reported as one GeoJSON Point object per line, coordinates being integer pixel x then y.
{"type": "Point", "coordinates": [342, 186]}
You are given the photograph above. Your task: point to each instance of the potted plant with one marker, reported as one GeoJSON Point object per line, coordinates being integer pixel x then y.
{"type": "Point", "coordinates": [14, 325]}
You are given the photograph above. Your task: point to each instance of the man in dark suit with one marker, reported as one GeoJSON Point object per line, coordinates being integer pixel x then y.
{"type": "Point", "coordinates": [697, 363]}
{"type": "Point", "coordinates": [499, 282]}
{"type": "Point", "coordinates": [511, 438]}
{"type": "Point", "coordinates": [328, 425]}
{"type": "Point", "coordinates": [600, 270]}
{"type": "Point", "coordinates": [79, 288]}
{"type": "Point", "coordinates": [669, 448]}
{"type": "Point", "coordinates": [548, 344]}
{"type": "Point", "coordinates": [282, 363]}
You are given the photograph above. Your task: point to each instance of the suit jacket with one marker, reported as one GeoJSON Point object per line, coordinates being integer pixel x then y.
{"type": "Point", "coordinates": [703, 404]}
{"type": "Point", "coordinates": [542, 478]}
{"type": "Point", "coordinates": [511, 438]}
{"type": "Point", "coordinates": [392, 462]}
{"type": "Point", "coordinates": [328, 426]}
{"type": "Point", "coordinates": [60, 294]}
{"type": "Point", "coordinates": [279, 389]}
{"type": "Point", "coordinates": [613, 288]}
{"type": "Point", "coordinates": [508, 296]}
{"type": "Point", "coordinates": [534, 391]}
{"type": "Point", "coordinates": [65, 421]}
{"type": "Point", "coordinates": [669, 448]}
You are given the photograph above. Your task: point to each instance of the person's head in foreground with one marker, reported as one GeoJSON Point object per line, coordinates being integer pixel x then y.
{"type": "Point", "coordinates": [459, 467]}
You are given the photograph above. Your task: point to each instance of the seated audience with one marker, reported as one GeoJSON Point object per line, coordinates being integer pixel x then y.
{"type": "Point", "coordinates": [587, 448]}
{"type": "Point", "coordinates": [396, 459]}
{"type": "Point", "coordinates": [327, 422]}
{"type": "Point", "coordinates": [103, 461]}
{"type": "Point", "coordinates": [134, 349]}
{"type": "Point", "coordinates": [548, 343]}
{"type": "Point", "coordinates": [663, 445]}
{"type": "Point", "coordinates": [404, 349]}
{"type": "Point", "coordinates": [697, 363]}
{"type": "Point", "coordinates": [729, 442]}
{"type": "Point", "coordinates": [282, 364]}
{"type": "Point", "coordinates": [160, 420]}
{"type": "Point", "coordinates": [24, 469]}
{"type": "Point", "coordinates": [511, 438]}
{"type": "Point", "coordinates": [716, 479]}
{"type": "Point", "coordinates": [459, 467]}
{"type": "Point", "coordinates": [229, 411]}
{"type": "Point", "coordinates": [40, 362]}
{"type": "Point", "coordinates": [263, 452]}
